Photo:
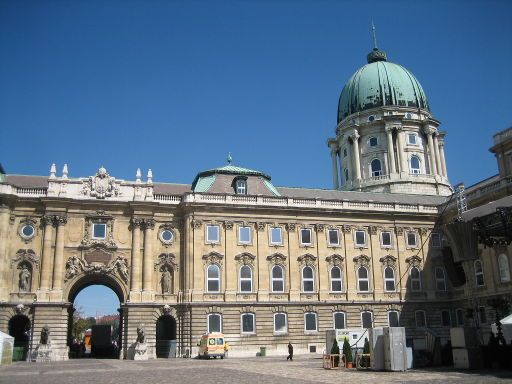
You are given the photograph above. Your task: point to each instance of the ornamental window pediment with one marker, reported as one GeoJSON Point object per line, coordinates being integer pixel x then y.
{"type": "Point", "coordinates": [213, 258]}
{"type": "Point", "coordinates": [245, 258]}
{"type": "Point", "coordinates": [276, 258]}
{"type": "Point", "coordinates": [335, 260]}
{"type": "Point", "coordinates": [307, 259]}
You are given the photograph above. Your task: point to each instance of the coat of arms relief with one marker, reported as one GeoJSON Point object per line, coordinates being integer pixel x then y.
{"type": "Point", "coordinates": [101, 185]}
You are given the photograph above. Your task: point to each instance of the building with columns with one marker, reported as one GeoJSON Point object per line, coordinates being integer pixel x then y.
{"type": "Point", "coordinates": [232, 252]}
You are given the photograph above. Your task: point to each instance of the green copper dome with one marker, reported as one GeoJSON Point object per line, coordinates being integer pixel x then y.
{"type": "Point", "coordinates": [380, 83]}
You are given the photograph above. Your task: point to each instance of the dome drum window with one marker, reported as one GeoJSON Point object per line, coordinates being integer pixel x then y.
{"type": "Point", "coordinates": [376, 168]}
{"type": "Point", "coordinates": [412, 139]}
{"type": "Point", "coordinates": [373, 141]}
{"type": "Point", "coordinates": [166, 236]}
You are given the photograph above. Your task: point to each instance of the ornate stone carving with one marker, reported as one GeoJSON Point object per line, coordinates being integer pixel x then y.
{"type": "Point", "coordinates": [354, 135]}
{"type": "Point", "coordinates": [25, 255]}
{"type": "Point", "coordinates": [196, 224]}
{"type": "Point", "coordinates": [373, 229]}
{"type": "Point", "coordinates": [261, 226]}
{"type": "Point", "coordinates": [399, 231]}
{"type": "Point", "coordinates": [25, 279]}
{"type": "Point", "coordinates": [136, 222]}
{"type": "Point", "coordinates": [213, 258]}
{"type": "Point", "coordinates": [101, 185]}
{"type": "Point", "coordinates": [307, 259]}
{"type": "Point", "coordinates": [47, 219]}
{"type": "Point", "coordinates": [276, 258]}
{"type": "Point", "coordinates": [320, 227]}
{"type": "Point", "coordinates": [166, 280]}
{"type": "Point", "coordinates": [423, 231]}
{"type": "Point", "coordinates": [149, 223]}
{"type": "Point", "coordinates": [414, 261]}
{"type": "Point", "coordinates": [228, 225]}
{"type": "Point", "coordinates": [347, 229]}
{"type": "Point", "coordinates": [28, 221]}
{"type": "Point", "coordinates": [60, 220]}
{"type": "Point", "coordinates": [22, 309]}
{"type": "Point", "coordinates": [166, 260]}
{"type": "Point", "coordinates": [388, 261]}
{"type": "Point", "coordinates": [169, 226]}
{"type": "Point", "coordinates": [335, 260]}
{"type": "Point", "coordinates": [245, 258]}
{"type": "Point", "coordinates": [106, 243]}
{"type": "Point", "coordinates": [45, 335]}
{"type": "Point", "coordinates": [361, 261]}
{"type": "Point", "coordinates": [291, 227]}
{"type": "Point", "coordinates": [75, 265]}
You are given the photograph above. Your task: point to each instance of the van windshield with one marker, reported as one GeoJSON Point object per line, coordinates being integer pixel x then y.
{"type": "Point", "coordinates": [220, 341]}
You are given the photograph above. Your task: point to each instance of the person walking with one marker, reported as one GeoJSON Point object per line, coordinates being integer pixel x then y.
{"type": "Point", "coordinates": [290, 351]}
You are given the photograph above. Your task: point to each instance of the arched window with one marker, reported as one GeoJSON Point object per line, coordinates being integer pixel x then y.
{"type": "Point", "coordinates": [308, 282]}
{"type": "Point", "coordinates": [421, 318]}
{"type": "Point", "coordinates": [338, 319]}
{"type": "Point", "coordinates": [214, 322]}
{"type": "Point", "coordinates": [345, 171]}
{"type": "Point", "coordinates": [389, 279]}
{"type": "Point", "coordinates": [367, 319]}
{"type": "Point", "coordinates": [415, 165]}
{"type": "Point", "coordinates": [277, 279]}
{"type": "Point", "coordinates": [376, 167]}
{"type": "Point", "coordinates": [393, 319]}
{"type": "Point", "coordinates": [415, 279]}
{"type": "Point", "coordinates": [245, 279]}
{"type": "Point", "coordinates": [213, 278]}
{"type": "Point", "coordinates": [280, 323]}
{"type": "Point", "coordinates": [504, 268]}
{"type": "Point", "coordinates": [247, 323]}
{"type": "Point", "coordinates": [440, 279]}
{"type": "Point", "coordinates": [479, 273]}
{"type": "Point", "coordinates": [363, 283]}
{"type": "Point", "coordinates": [336, 281]}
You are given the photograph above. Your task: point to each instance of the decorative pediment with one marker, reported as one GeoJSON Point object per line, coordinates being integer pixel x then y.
{"type": "Point", "coordinates": [166, 261]}
{"type": "Point", "coordinates": [245, 258]}
{"type": "Point", "coordinates": [307, 259]}
{"type": "Point", "coordinates": [101, 185]}
{"type": "Point", "coordinates": [119, 265]}
{"type": "Point", "coordinates": [388, 261]}
{"type": "Point", "coordinates": [196, 224]}
{"type": "Point", "coordinates": [25, 255]}
{"type": "Point", "coordinates": [213, 258]}
{"type": "Point", "coordinates": [413, 261]}
{"type": "Point", "coordinates": [276, 258]}
{"type": "Point", "coordinates": [335, 259]}
{"type": "Point", "coordinates": [361, 261]}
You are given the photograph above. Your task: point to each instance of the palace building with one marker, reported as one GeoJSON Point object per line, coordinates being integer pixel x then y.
{"type": "Point", "coordinates": [265, 265]}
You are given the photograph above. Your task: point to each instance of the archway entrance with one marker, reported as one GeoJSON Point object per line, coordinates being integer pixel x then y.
{"type": "Point", "coordinates": [19, 328]}
{"type": "Point", "coordinates": [166, 337]}
{"type": "Point", "coordinates": [95, 324]}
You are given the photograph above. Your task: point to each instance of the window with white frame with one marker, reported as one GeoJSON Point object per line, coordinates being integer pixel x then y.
{"type": "Point", "coordinates": [247, 323]}
{"type": "Point", "coordinates": [479, 273]}
{"type": "Point", "coordinates": [446, 318]}
{"type": "Point", "coordinates": [421, 319]}
{"type": "Point", "coordinates": [393, 320]}
{"type": "Point", "coordinates": [213, 278]}
{"type": "Point", "coordinates": [436, 240]}
{"type": "Point", "coordinates": [360, 238]}
{"type": "Point", "coordinates": [459, 316]}
{"type": "Point", "coordinates": [373, 141]}
{"type": "Point", "coordinates": [363, 282]}
{"type": "Point", "coordinates": [333, 237]}
{"type": "Point", "coordinates": [280, 323]}
{"type": "Point", "coordinates": [385, 239]}
{"type": "Point", "coordinates": [336, 279]}
{"type": "Point", "coordinates": [366, 319]}
{"type": "Point", "coordinates": [415, 279]}
{"type": "Point", "coordinates": [504, 268]}
{"type": "Point", "coordinates": [411, 239]}
{"type": "Point", "coordinates": [310, 322]}
{"type": "Point", "coordinates": [376, 168]}
{"type": "Point", "coordinates": [276, 236]}
{"type": "Point", "coordinates": [244, 235]}
{"type": "Point", "coordinates": [440, 279]}
{"type": "Point", "coordinates": [212, 233]}
{"type": "Point", "coordinates": [277, 279]}
{"type": "Point", "coordinates": [214, 322]}
{"type": "Point", "coordinates": [245, 279]}
{"type": "Point", "coordinates": [99, 231]}
{"type": "Point", "coordinates": [389, 279]}
{"type": "Point", "coordinates": [241, 187]}
{"type": "Point", "coordinates": [308, 281]}
{"type": "Point", "coordinates": [412, 139]}
{"type": "Point", "coordinates": [415, 165]}
{"type": "Point", "coordinates": [305, 236]}
{"type": "Point", "coordinates": [338, 319]}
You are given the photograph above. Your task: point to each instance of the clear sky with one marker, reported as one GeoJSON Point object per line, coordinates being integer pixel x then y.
{"type": "Point", "coordinates": [97, 300]}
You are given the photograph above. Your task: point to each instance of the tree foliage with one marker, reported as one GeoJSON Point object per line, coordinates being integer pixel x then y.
{"type": "Point", "coordinates": [347, 351]}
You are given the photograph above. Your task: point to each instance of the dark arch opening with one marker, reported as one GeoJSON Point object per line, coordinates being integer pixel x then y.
{"type": "Point", "coordinates": [19, 328]}
{"type": "Point", "coordinates": [166, 336]}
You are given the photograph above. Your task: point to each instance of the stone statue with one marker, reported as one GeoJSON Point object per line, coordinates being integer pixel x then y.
{"type": "Point", "coordinates": [73, 266]}
{"type": "Point", "coordinates": [141, 337]}
{"type": "Point", "coordinates": [166, 280]}
{"type": "Point", "coordinates": [24, 279]}
{"type": "Point", "coordinates": [45, 335]}
{"type": "Point", "coordinates": [122, 267]}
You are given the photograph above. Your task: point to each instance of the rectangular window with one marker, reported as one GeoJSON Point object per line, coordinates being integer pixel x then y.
{"type": "Point", "coordinates": [360, 238]}
{"type": "Point", "coordinates": [436, 240]}
{"type": "Point", "coordinates": [212, 233]}
{"type": "Point", "coordinates": [305, 236]}
{"type": "Point", "coordinates": [248, 323]}
{"type": "Point", "coordinates": [280, 323]}
{"type": "Point", "coordinates": [385, 239]}
{"type": "Point", "coordinates": [99, 231]}
{"type": "Point", "coordinates": [276, 237]}
{"type": "Point", "coordinates": [367, 319]}
{"type": "Point", "coordinates": [333, 237]}
{"type": "Point", "coordinates": [440, 279]}
{"type": "Point", "coordinates": [244, 235]}
{"type": "Point", "coordinates": [339, 320]}
{"type": "Point", "coordinates": [411, 239]}
{"type": "Point", "coordinates": [446, 318]}
{"type": "Point", "coordinates": [412, 139]}
{"type": "Point", "coordinates": [482, 315]}
{"type": "Point", "coordinates": [393, 319]}
{"type": "Point", "coordinates": [421, 320]}
{"type": "Point", "coordinates": [459, 316]}
{"type": "Point", "coordinates": [214, 323]}
{"type": "Point", "coordinates": [310, 322]}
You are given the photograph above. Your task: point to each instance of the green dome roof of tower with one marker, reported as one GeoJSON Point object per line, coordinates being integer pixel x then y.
{"type": "Point", "coordinates": [380, 83]}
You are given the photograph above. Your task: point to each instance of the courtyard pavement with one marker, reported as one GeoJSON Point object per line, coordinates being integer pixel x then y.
{"type": "Point", "coordinates": [260, 370]}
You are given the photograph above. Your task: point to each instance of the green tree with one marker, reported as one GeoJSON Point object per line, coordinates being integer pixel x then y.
{"type": "Point", "coordinates": [81, 323]}
{"type": "Point", "coordinates": [347, 351]}
{"type": "Point", "coordinates": [335, 350]}
{"type": "Point", "coordinates": [366, 348]}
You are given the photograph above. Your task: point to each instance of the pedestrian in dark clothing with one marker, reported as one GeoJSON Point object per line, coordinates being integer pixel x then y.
{"type": "Point", "coordinates": [290, 351]}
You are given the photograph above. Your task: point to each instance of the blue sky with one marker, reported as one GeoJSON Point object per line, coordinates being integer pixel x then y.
{"type": "Point", "coordinates": [96, 300]}
{"type": "Point", "coordinates": [175, 85]}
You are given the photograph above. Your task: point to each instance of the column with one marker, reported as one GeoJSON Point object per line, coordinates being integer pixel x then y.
{"type": "Point", "coordinates": [391, 152]}
{"type": "Point", "coordinates": [400, 151]}
{"type": "Point", "coordinates": [60, 222]}
{"type": "Point", "coordinates": [443, 161]}
{"type": "Point", "coordinates": [431, 155]}
{"type": "Point", "coordinates": [135, 282]}
{"type": "Point", "coordinates": [335, 176]}
{"type": "Point", "coordinates": [147, 267]}
{"type": "Point", "coordinates": [349, 162]}
{"type": "Point", "coordinates": [436, 152]}
{"type": "Point", "coordinates": [46, 262]}
{"type": "Point", "coordinates": [357, 165]}
{"type": "Point", "coordinates": [4, 265]}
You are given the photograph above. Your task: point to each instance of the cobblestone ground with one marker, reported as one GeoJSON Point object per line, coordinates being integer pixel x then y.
{"type": "Point", "coordinates": [303, 369]}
